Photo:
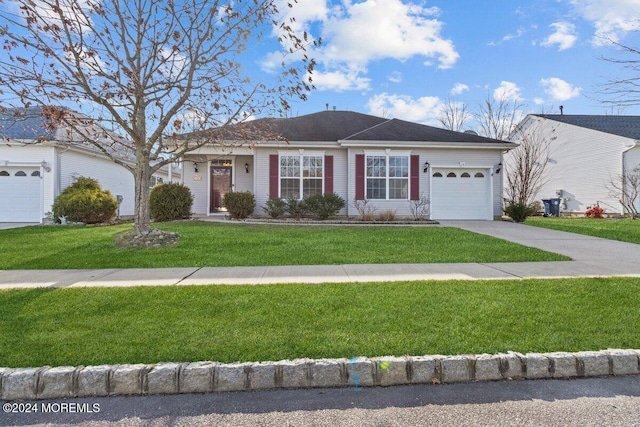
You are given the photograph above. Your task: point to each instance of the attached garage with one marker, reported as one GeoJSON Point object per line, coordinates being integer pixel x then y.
{"type": "Point", "coordinates": [461, 193]}
{"type": "Point", "coordinates": [20, 194]}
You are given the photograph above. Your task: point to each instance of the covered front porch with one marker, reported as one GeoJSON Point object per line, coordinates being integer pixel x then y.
{"type": "Point", "coordinates": [211, 175]}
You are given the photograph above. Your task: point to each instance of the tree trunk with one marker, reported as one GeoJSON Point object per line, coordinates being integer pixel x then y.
{"type": "Point", "coordinates": [141, 220]}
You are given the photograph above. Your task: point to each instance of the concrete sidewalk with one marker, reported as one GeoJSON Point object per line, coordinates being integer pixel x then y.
{"type": "Point", "coordinates": [591, 257]}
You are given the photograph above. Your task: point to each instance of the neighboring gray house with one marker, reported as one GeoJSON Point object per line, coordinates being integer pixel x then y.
{"type": "Point", "coordinates": [587, 153]}
{"type": "Point", "coordinates": [388, 162]}
{"type": "Point", "coordinates": [38, 161]}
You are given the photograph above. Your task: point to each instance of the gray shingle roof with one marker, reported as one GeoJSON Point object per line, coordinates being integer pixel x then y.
{"type": "Point", "coordinates": [27, 124]}
{"type": "Point", "coordinates": [31, 125]}
{"type": "Point", "coordinates": [400, 130]}
{"type": "Point", "coordinates": [627, 126]}
{"type": "Point", "coordinates": [349, 126]}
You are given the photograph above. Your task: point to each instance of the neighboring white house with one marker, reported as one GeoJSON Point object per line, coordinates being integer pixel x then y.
{"type": "Point", "coordinates": [388, 162]}
{"type": "Point", "coordinates": [587, 154]}
{"type": "Point", "coordinates": [38, 161]}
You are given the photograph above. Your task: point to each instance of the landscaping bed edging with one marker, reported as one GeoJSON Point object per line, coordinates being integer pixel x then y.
{"type": "Point", "coordinates": [208, 377]}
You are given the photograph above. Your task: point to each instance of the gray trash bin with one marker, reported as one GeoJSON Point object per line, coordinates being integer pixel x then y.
{"type": "Point", "coordinates": [554, 207]}
{"type": "Point", "coordinates": [547, 206]}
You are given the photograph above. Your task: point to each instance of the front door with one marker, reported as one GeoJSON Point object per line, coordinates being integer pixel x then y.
{"type": "Point", "coordinates": [220, 185]}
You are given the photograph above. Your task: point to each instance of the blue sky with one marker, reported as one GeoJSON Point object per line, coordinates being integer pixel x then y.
{"type": "Point", "coordinates": [404, 58]}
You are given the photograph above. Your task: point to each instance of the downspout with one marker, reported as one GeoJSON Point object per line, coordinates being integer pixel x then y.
{"type": "Point", "coordinates": [57, 186]}
{"type": "Point", "coordinates": [636, 143]}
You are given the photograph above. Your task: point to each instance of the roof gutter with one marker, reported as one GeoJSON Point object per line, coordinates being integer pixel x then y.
{"type": "Point", "coordinates": [420, 144]}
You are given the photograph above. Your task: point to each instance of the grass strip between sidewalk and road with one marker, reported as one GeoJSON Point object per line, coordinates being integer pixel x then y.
{"type": "Point", "coordinates": [92, 326]}
{"type": "Point", "coordinates": [624, 230]}
{"type": "Point", "coordinates": [205, 244]}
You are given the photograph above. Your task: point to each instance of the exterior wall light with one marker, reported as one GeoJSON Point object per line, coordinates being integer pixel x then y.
{"type": "Point", "coordinates": [246, 167]}
{"type": "Point", "coordinates": [499, 167]}
{"type": "Point", "coordinates": [195, 167]}
{"type": "Point", "coordinates": [426, 167]}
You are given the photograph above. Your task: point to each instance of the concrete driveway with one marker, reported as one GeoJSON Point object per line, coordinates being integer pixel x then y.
{"type": "Point", "coordinates": [590, 255]}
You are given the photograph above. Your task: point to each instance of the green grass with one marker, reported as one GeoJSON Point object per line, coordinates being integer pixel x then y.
{"type": "Point", "coordinates": [248, 323]}
{"type": "Point", "coordinates": [214, 244]}
{"type": "Point", "coordinates": [625, 230]}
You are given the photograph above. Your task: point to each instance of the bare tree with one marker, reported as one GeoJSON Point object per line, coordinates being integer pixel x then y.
{"type": "Point", "coordinates": [454, 115]}
{"type": "Point", "coordinates": [626, 188]}
{"type": "Point", "coordinates": [147, 69]}
{"type": "Point", "coordinates": [623, 91]}
{"type": "Point", "coordinates": [498, 117]}
{"type": "Point", "coordinates": [525, 166]}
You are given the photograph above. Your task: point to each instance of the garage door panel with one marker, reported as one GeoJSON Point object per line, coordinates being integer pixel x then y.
{"type": "Point", "coordinates": [20, 194]}
{"type": "Point", "coordinates": [461, 194]}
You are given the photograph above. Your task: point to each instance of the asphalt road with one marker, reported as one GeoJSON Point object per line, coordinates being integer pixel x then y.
{"type": "Point", "coordinates": [613, 401]}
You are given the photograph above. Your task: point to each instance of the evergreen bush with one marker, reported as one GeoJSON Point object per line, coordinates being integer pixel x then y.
{"type": "Point", "coordinates": [85, 201]}
{"type": "Point", "coordinates": [275, 208]}
{"type": "Point", "coordinates": [324, 206]}
{"type": "Point", "coordinates": [518, 211]}
{"type": "Point", "coordinates": [170, 201]}
{"type": "Point", "coordinates": [239, 204]}
{"type": "Point", "coordinates": [296, 208]}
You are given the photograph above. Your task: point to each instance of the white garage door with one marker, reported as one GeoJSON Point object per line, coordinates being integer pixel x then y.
{"type": "Point", "coordinates": [459, 193]}
{"type": "Point", "coordinates": [20, 194]}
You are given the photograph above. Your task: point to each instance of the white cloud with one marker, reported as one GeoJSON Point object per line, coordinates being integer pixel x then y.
{"type": "Point", "coordinates": [355, 34]}
{"type": "Point", "coordinates": [612, 18]}
{"type": "Point", "coordinates": [422, 110]}
{"type": "Point", "coordinates": [519, 33]}
{"type": "Point", "coordinates": [564, 36]}
{"type": "Point", "coordinates": [507, 91]}
{"type": "Point", "coordinates": [458, 88]}
{"type": "Point", "coordinates": [377, 29]}
{"type": "Point", "coordinates": [340, 81]}
{"type": "Point", "coordinates": [395, 77]}
{"type": "Point", "coordinates": [559, 90]}
{"type": "Point", "coordinates": [75, 12]}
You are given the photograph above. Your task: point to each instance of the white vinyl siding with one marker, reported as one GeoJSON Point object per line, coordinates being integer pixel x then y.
{"type": "Point", "coordinates": [583, 163]}
{"type": "Point", "coordinates": [464, 157]}
{"type": "Point", "coordinates": [110, 176]}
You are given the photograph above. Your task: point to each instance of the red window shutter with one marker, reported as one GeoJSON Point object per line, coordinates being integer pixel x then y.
{"type": "Point", "coordinates": [359, 176]}
{"type": "Point", "coordinates": [328, 174]}
{"type": "Point", "coordinates": [415, 177]}
{"type": "Point", "coordinates": [274, 176]}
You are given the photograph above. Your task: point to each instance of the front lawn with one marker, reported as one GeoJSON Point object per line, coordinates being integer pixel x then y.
{"type": "Point", "coordinates": [625, 230]}
{"type": "Point", "coordinates": [218, 244]}
{"type": "Point", "coordinates": [257, 323]}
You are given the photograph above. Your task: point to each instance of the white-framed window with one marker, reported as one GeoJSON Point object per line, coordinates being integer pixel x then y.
{"type": "Point", "coordinates": [387, 177]}
{"type": "Point", "coordinates": [155, 180]}
{"type": "Point", "coordinates": [301, 175]}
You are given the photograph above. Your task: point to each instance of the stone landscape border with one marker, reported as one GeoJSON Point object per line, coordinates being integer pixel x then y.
{"type": "Point", "coordinates": [208, 377]}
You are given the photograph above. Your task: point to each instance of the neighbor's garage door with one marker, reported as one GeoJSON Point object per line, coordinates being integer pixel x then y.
{"type": "Point", "coordinates": [461, 194]}
{"type": "Point", "coordinates": [20, 194]}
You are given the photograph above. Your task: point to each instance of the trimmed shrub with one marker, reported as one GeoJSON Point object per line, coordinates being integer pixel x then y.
{"type": "Point", "coordinates": [170, 201]}
{"type": "Point", "coordinates": [239, 204]}
{"type": "Point", "coordinates": [85, 201]}
{"type": "Point", "coordinates": [518, 211]}
{"type": "Point", "coordinates": [275, 208]}
{"type": "Point", "coordinates": [296, 208]}
{"type": "Point", "coordinates": [324, 206]}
